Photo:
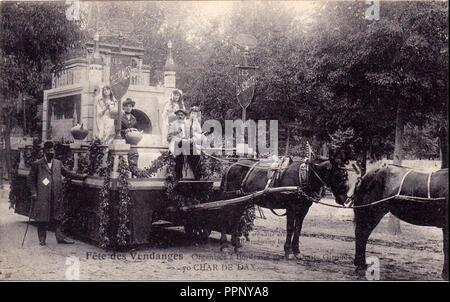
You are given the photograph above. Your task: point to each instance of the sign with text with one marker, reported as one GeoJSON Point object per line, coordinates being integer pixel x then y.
{"type": "Point", "coordinates": [246, 82]}
{"type": "Point", "coordinates": [120, 74]}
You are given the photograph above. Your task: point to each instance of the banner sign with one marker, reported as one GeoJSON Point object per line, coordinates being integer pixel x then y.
{"type": "Point", "coordinates": [120, 74]}
{"type": "Point", "coordinates": [246, 82]}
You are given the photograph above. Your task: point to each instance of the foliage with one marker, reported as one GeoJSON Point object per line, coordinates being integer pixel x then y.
{"type": "Point", "coordinates": [35, 38]}
{"type": "Point", "coordinates": [32, 154]}
{"type": "Point", "coordinates": [246, 222]}
{"type": "Point", "coordinates": [123, 232]}
{"type": "Point", "coordinates": [391, 63]}
{"type": "Point", "coordinates": [64, 154]}
{"type": "Point", "coordinates": [96, 154]}
{"type": "Point", "coordinates": [105, 206]}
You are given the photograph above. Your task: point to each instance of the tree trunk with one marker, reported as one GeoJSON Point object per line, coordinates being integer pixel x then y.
{"type": "Point", "coordinates": [443, 142]}
{"type": "Point", "coordinates": [2, 162]}
{"type": "Point", "coordinates": [288, 136]}
{"type": "Point", "coordinates": [394, 222]}
{"type": "Point", "coordinates": [7, 155]}
{"type": "Point", "coordinates": [367, 146]}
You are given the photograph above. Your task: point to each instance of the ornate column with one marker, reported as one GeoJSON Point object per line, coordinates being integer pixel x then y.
{"type": "Point", "coordinates": [118, 147]}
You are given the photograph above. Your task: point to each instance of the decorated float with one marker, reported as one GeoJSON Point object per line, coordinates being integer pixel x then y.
{"type": "Point", "coordinates": [118, 205]}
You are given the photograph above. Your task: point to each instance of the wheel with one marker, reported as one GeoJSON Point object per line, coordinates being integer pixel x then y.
{"type": "Point", "coordinates": [204, 233]}
{"type": "Point", "coordinates": [189, 230]}
{"type": "Point", "coordinates": [197, 232]}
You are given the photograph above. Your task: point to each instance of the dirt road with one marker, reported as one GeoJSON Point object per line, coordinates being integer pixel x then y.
{"type": "Point", "coordinates": [327, 247]}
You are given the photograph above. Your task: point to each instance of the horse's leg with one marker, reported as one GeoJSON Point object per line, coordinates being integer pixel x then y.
{"type": "Point", "coordinates": [366, 221]}
{"type": "Point", "coordinates": [236, 241]}
{"type": "Point", "coordinates": [223, 231]}
{"type": "Point", "coordinates": [223, 237]}
{"type": "Point", "coordinates": [290, 220]}
{"type": "Point", "coordinates": [223, 240]}
{"type": "Point", "coordinates": [300, 215]}
{"type": "Point", "coordinates": [445, 269]}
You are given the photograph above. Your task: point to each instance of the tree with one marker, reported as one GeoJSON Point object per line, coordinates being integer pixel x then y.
{"type": "Point", "coordinates": [35, 39]}
{"type": "Point", "coordinates": [376, 72]}
{"type": "Point", "coordinates": [367, 74]}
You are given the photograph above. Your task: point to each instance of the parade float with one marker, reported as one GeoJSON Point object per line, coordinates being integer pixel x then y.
{"type": "Point", "coordinates": [118, 204]}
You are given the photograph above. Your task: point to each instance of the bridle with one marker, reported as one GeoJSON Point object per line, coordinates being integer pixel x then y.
{"type": "Point", "coordinates": [325, 184]}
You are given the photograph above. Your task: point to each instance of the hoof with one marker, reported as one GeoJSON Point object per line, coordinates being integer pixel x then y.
{"type": "Point", "coordinates": [286, 255]}
{"type": "Point", "coordinates": [236, 243]}
{"type": "Point", "coordinates": [224, 248]}
{"type": "Point", "coordinates": [297, 256]}
{"type": "Point", "coordinates": [361, 270]}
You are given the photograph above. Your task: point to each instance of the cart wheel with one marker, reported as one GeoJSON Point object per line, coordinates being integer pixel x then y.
{"type": "Point", "coordinates": [204, 233]}
{"type": "Point", "coordinates": [189, 230]}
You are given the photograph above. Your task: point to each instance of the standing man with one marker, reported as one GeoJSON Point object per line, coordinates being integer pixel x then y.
{"type": "Point", "coordinates": [175, 136]}
{"type": "Point", "coordinates": [181, 143]}
{"type": "Point", "coordinates": [45, 183]}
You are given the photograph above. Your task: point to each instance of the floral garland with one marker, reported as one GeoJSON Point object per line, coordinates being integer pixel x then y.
{"type": "Point", "coordinates": [246, 222]}
{"type": "Point", "coordinates": [123, 232]}
{"type": "Point", "coordinates": [91, 163]}
{"type": "Point", "coordinates": [104, 206]}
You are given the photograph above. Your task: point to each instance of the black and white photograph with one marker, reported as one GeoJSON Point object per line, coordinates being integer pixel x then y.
{"type": "Point", "coordinates": [224, 141]}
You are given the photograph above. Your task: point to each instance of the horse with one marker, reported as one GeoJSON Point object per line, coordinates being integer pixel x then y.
{"type": "Point", "coordinates": [415, 197]}
{"type": "Point", "coordinates": [249, 175]}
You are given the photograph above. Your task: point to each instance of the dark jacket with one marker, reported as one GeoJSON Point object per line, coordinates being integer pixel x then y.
{"type": "Point", "coordinates": [127, 123]}
{"type": "Point", "coordinates": [45, 183]}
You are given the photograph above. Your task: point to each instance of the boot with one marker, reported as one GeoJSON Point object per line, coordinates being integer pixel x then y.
{"type": "Point", "coordinates": [42, 234]}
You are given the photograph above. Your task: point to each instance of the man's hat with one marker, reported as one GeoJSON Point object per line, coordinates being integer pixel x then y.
{"type": "Point", "coordinates": [181, 110]}
{"type": "Point", "coordinates": [129, 101]}
{"type": "Point", "coordinates": [195, 108]}
{"type": "Point", "coordinates": [48, 145]}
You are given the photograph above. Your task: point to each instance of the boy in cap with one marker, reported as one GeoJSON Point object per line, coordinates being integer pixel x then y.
{"type": "Point", "coordinates": [128, 119]}
{"type": "Point", "coordinates": [129, 122]}
{"type": "Point", "coordinates": [45, 183]}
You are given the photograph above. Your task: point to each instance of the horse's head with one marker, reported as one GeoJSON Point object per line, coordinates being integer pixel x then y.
{"type": "Point", "coordinates": [343, 180]}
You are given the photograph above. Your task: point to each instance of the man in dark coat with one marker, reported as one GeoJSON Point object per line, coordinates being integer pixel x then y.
{"type": "Point", "coordinates": [45, 183]}
{"type": "Point", "coordinates": [128, 119]}
{"type": "Point", "coordinates": [129, 122]}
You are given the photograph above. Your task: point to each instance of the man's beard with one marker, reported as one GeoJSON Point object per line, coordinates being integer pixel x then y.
{"type": "Point", "coordinates": [49, 156]}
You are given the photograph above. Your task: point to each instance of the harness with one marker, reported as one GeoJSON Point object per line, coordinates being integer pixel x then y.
{"type": "Point", "coordinates": [275, 172]}
{"type": "Point", "coordinates": [398, 196]}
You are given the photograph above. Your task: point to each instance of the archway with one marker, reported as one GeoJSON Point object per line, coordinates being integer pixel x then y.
{"type": "Point", "coordinates": [143, 121]}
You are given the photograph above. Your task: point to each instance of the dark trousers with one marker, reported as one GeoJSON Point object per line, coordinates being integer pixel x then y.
{"type": "Point", "coordinates": [192, 161]}
{"type": "Point", "coordinates": [42, 230]}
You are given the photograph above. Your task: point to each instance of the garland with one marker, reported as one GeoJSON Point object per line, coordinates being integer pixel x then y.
{"type": "Point", "coordinates": [123, 232]}
{"type": "Point", "coordinates": [96, 153]}
{"type": "Point", "coordinates": [246, 223]}
{"type": "Point", "coordinates": [104, 206]}
{"type": "Point", "coordinates": [91, 162]}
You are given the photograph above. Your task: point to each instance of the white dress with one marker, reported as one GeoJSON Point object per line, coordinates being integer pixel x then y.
{"type": "Point", "coordinates": [106, 130]}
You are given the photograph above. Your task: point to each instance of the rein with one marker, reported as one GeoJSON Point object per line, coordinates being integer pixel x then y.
{"type": "Point", "coordinates": [348, 204]}
{"type": "Point", "coordinates": [397, 196]}
{"type": "Point", "coordinates": [230, 162]}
